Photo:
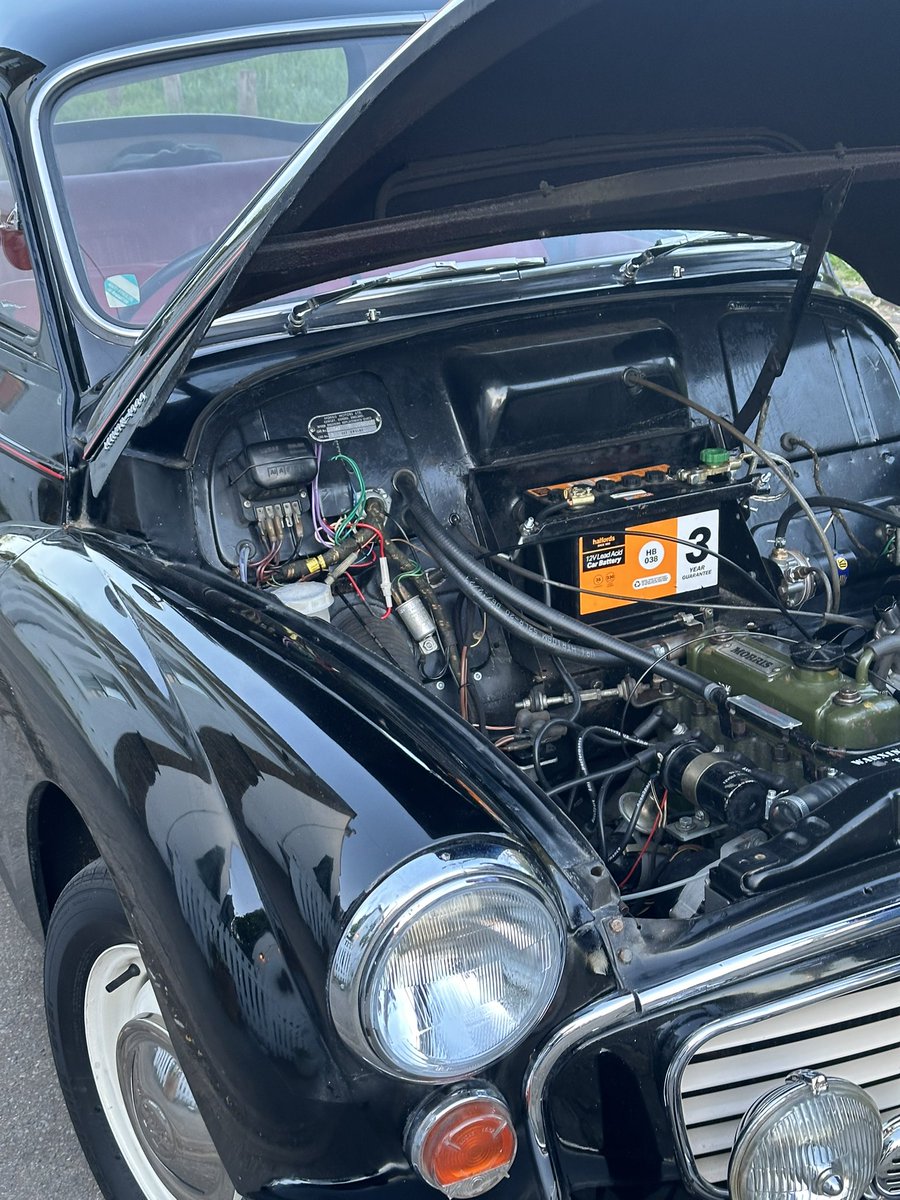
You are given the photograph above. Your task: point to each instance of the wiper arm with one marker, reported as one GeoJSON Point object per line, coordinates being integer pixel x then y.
{"type": "Point", "coordinates": [629, 270]}
{"type": "Point", "coordinates": [441, 269]}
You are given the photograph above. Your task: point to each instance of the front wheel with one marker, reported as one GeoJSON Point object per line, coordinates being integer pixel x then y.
{"type": "Point", "coordinates": [128, 1098]}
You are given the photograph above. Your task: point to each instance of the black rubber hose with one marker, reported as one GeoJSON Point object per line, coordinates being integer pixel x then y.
{"type": "Point", "coordinates": [890, 644]}
{"type": "Point", "coordinates": [464, 565]}
{"type": "Point", "coordinates": [872, 511]}
{"type": "Point", "coordinates": [524, 629]}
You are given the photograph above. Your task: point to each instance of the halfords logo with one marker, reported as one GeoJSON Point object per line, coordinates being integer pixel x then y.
{"type": "Point", "coordinates": [607, 539]}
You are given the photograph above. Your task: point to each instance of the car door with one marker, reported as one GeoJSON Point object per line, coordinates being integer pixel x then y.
{"type": "Point", "coordinates": [32, 442]}
{"type": "Point", "coordinates": [32, 498]}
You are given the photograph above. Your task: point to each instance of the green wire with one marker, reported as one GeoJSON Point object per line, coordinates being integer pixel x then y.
{"type": "Point", "coordinates": [350, 518]}
{"type": "Point", "coordinates": [409, 574]}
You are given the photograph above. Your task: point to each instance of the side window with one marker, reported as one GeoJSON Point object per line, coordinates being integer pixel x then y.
{"type": "Point", "coordinates": [19, 306]}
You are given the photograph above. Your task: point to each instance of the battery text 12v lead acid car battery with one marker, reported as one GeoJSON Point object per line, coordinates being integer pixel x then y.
{"type": "Point", "coordinates": [654, 533]}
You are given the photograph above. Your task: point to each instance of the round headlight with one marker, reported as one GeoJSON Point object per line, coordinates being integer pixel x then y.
{"type": "Point", "coordinates": [815, 1136]}
{"type": "Point", "coordinates": [448, 963]}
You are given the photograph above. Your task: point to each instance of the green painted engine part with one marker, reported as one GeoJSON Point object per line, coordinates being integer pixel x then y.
{"type": "Point", "coordinates": [832, 707]}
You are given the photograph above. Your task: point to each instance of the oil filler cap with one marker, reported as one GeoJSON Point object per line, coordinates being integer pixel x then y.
{"type": "Point", "coordinates": [817, 656]}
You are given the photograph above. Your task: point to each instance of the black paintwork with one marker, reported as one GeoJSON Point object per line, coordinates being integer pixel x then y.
{"type": "Point", "coordinates": [501, 119]}
{"type": "Point", "coordinates": [248, 776]}
{"type": "Point", "coordinates": [205, 729]}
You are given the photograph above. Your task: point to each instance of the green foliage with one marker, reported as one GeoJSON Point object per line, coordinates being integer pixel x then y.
{"type": "Point", "coordinates": [849, 277]}
{"type": "Point", "coordinates": [290, 85]}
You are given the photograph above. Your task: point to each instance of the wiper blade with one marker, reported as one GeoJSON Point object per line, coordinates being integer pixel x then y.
{"type": "Point", "coordinates": [441, 269]}
{"type": "Point", "coordinates": [629, 270]}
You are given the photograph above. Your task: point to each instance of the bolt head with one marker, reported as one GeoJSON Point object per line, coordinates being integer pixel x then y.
{"type": "Point", "coordinates": [624, 955]}
{"type": "Point", "coordinates": [617, 925]}
{"type": "Point", "coordinates": [476, 675]}
{"type": "Point", "coordinates": [830, 1183]}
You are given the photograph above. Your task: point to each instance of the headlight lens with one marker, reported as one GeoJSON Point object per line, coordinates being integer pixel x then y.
{"type": "Point", "coordinates": [813, 1138]}
{"type": "Point", "coordinates": [449, 964]}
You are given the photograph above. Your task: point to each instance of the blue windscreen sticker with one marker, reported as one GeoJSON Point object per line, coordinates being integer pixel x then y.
{"type": "Point", "coordinates": [122, 291]}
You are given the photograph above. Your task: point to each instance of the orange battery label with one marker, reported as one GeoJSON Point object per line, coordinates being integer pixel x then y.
{"type": "Point", "coordinates": [649, 562]}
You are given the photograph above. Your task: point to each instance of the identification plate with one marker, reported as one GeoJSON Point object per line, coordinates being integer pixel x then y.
{"type": "Point", "coordinates": [755, 659]}
{"type": "Point", "coordinates": [352, 422]}
{"type": "Point", "coordinates": [647, 563]}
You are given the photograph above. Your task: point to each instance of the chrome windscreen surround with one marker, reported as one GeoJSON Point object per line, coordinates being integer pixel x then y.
{"type": "Point", "coordinates": [839, 1028]}
{"type": "Point", "coordinates": [252, 36]}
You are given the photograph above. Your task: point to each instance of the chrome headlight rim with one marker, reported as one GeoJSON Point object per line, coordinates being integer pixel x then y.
{"type": "Point", "coordinates": [765, 1114]}
{"type": "Point", "coordinates": [392, 906]}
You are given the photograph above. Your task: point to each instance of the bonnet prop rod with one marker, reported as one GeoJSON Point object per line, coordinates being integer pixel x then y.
{"type": "Point", "coordinates": [776, 359]}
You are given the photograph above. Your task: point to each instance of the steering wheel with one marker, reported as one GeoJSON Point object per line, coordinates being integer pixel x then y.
{"type": "Point", "coordinates": [160, 153]}
{"type": "Point", "coordinates": [172, 270]}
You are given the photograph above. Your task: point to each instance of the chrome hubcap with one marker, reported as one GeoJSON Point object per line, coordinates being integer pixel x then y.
{"type": "Point", "coordinates": [164, 1113]}
{"type": "Point", "coordinates": [145, 1095]}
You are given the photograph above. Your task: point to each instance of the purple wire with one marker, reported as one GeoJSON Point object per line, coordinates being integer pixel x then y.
{"type": "Point", "coordinates": [315, 501]}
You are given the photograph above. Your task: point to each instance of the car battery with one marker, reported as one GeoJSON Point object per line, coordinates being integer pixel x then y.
{"type": "Point", "coordinates": [633, 538]}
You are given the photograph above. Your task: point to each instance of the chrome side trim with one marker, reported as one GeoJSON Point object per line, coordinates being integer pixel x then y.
{"type": "Point", "coordinates": [585, 1027]}
{"type": "Point", "coordinates": [883, 973]}
{"type": "Point", "coordinates": [321, 29]}
{"type": "Point", "coordinates": [754, 962]}
{"type": "Point", "coordinates": [592, 1022]}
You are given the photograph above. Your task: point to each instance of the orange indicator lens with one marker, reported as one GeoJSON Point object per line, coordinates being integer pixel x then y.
{"type": "Point", "coordinates": [469, 1148]}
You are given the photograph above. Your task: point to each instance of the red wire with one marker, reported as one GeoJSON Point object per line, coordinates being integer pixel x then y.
{"type": "Point", "coordinates": [266, 562]}
{"type": "Point", "coordinates": [356, 587]}
{"type": "Point", "coordinates": [374, 528]}
{"type": "Point", "coordinates": [376, 531]}
{"type": "Point", "coordinates": [650, 835]}
{"type": "Point", "coordinates": [369, 545]}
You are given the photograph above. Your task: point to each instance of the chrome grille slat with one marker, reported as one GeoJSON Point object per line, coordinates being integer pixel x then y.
{"type": "Point", "coordinates": [855, 1036]}
{"type": "Point", "coordinates": [825, 1012]}
{"type": "Point", "coordinates": [731, 1101]}
{"type": "Point", "coordinates": [845, 1045]}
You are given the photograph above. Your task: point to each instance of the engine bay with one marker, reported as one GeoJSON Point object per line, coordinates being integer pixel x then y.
{"type": "Point", "coordinates": [687, 641]}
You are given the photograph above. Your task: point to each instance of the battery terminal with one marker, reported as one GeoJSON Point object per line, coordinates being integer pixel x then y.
{"type": "Point", "coordinates": [580, 495]}
{"type": "Point", "coordinates": [714, 462]}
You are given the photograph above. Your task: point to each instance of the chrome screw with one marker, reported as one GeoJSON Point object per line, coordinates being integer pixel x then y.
{"type": "Point", "coordinates": [830, 1183]}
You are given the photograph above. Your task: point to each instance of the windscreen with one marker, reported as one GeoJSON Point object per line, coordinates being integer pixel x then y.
{"type": "Point", "coordinates": [154, 161]}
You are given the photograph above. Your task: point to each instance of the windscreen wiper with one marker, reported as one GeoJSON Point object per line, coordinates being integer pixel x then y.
{"type": "Point", "coordinates": [629, 270]}
{"type": "Point", "coordinates": [441, 269]}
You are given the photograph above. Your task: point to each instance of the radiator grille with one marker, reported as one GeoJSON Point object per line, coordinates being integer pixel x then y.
{"type": "Point", "coordinates": [856, 1036]}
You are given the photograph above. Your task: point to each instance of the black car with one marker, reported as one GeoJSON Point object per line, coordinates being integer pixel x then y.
{"type": "Point", "coordinates": [450, 593]}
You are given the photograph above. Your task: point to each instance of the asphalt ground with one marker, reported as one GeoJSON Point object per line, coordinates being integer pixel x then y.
{"type": "Point", "coordinates": [40, 1158]}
